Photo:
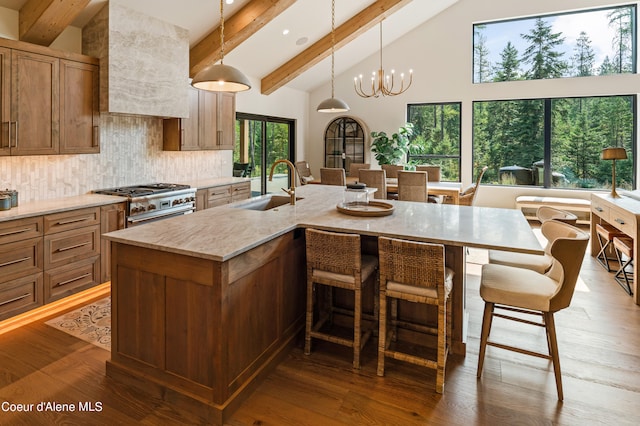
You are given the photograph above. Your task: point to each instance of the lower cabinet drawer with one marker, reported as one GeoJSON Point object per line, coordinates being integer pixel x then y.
{"type": "Point", "coordinates": [623, 220]}
{"type": "Point", "coordinates": [69, 246]}
{"type": "Point", "coordinates": [240, 191]}
{"type": "Point", "coordinates": [218, 196]}
{"type": "Point", "coordinates": [69, 279]}
{"type": "Point", "coordinates": [20, 295]}
{"type": "Point", "coordinates": [20, 258]}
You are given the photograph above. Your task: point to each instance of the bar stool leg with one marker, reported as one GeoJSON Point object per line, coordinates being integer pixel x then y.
{"type": "Point", "coordinates": [623, 277]}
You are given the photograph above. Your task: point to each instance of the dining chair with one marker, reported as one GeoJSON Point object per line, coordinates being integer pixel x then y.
{"type": "Point", "coordinates": [414, 272]}
{"type": "Point", "coordinates": [374, 179]}
{"type": "Point", "coordinates": [354, 168]}
{"type": "Point", "coordinates": [412, 186]}
{"type": "Point", "coordinates": [333, 176]}
{"type": "Point", "coordinates": [334, 260]}
{"type": "Point", "coordinates": [526, 292]}
{"type": "Point", "coordinates": [392, 170]}
{"type": "Point", "coordinates": [536, 262]}
{"type": "Point", "coordinates": [433, 172]}
{"type": "Point", "coordinates": [304, 172]}
{"type": "Point", "coordinates": [468, 196]}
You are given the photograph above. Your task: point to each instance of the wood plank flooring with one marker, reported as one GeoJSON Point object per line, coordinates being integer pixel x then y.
{"type": "Point", "coordinates": [599, 342]}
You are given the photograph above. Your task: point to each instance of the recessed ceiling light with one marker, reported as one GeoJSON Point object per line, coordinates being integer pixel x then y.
{"type": "Point", "coordinates": [285, 31]}
{"type": "Point", "coordinates": [229, 1]}
{"type": "Point", "coordinates": [302, 40]}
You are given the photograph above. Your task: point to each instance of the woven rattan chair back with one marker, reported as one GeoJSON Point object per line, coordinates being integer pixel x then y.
{"type": "Point", "coordinates": [333, 176]}
{"type": "Point", "coordinates": [304, 172]}
{"type": "Point", "coordinates": [412, 186]}
{"type": "Point", "coordinates": [375, 179]}
{"type": "Point", "coordinates": [354, 168]}
{"type": "Point", "coordinates": [392, 170]}
{"type": "Point", "coordinates": [433, 172]}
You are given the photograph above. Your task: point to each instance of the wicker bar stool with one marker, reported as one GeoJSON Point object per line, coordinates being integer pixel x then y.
{"type": "Point", "coordinates": [333, 176]}
{"type": "Point", "coordinates": [414, 272]}
{"type": "Point", "coordinates": [624, 252]}
{"type": "Point", "coordinates": [335, 260]}
{"type": "Point", "coordinates": [606, 233]}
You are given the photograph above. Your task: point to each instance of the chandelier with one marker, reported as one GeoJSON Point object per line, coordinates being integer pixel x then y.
{"type": "Point", "coordinates": [381, 83]}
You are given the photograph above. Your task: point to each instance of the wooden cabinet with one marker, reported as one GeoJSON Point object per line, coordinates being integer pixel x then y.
{"type": "Point", "coordinates": [207, 198]}
{"type": "Point", "coordinates": [21, 266]}
{"type": "Point", "coordinates": [210, 126]}
{"type": "Point", "coordinates": [79, 108]}
{"type": "Point", "coordinates": [112, 218]}
{"type": "Point", "coordinates": [49, 103]}
{"type": "Point", "coordinates": [71, 252]}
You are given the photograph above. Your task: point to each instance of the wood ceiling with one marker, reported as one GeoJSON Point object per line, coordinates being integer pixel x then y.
{"type": "Point", "coordinates": [42, 21]}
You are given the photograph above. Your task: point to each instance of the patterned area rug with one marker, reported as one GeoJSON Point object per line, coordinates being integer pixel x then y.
{"type": "Point", "coordinates": [91, 323]}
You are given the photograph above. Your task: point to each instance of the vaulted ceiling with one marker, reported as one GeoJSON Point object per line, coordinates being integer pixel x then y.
{"type": "Point", "coordinates": [254, 31]}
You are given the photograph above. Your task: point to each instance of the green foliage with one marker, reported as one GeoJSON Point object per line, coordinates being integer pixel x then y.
{"type": "Point", "coordinates": [392, 150]}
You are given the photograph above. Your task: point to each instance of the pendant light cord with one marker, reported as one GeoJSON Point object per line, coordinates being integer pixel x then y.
{"type": "Point", "coordinates": [221, 32]}
{"type": "Point", "coordinates": [333, 44]}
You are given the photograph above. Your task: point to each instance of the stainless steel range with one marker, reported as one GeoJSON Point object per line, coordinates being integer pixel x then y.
{"type": "Point", "coordinates": [154, 201]}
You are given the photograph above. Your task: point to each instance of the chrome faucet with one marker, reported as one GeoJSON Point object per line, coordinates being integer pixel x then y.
{"type": "Point", "coordinates": [292, 173]}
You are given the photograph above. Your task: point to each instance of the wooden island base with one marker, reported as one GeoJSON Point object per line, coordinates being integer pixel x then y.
{"type": "Point", "coordinates": [199, 333]}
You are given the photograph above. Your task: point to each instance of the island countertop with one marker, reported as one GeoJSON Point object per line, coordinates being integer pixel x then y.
{"type": "Point", "coordinates": [224, 232]}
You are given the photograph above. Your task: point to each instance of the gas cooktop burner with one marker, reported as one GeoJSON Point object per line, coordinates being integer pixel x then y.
{"type": "Point", "coordinates": [142, 190]}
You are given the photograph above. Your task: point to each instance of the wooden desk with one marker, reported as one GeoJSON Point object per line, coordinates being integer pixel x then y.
{"type": "Point", "coordinates": [623, 213]}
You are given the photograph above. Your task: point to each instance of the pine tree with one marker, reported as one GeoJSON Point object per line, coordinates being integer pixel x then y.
{"type": "Point", "coordinates": [546, 62]}
{"type": "Point", "coordinates": [620, 19]}
{"type": "Point", "coordinates": [508, 68]}
{"type": "Point", "coordinates": [584, 58]}
{"type": "Point", "coordinates": [482, 66]}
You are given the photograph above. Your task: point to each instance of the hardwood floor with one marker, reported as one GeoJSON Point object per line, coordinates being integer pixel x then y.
{"type": "Point", "coordinates": [599, 345]}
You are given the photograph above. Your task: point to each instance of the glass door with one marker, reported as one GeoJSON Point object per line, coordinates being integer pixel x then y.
{"type": "Point", "coordinates": [260, 141]}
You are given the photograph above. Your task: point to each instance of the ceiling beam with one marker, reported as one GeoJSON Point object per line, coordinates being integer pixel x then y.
{"type": "Point", "coordinates": [345, 33]}
{"type": "Point", "coordinates": [237, 28]}
{"type": "Point", "coordinates": [42, 21]}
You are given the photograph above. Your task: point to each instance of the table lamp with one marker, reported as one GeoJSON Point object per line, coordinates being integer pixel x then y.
{"type": "Point", "coordinates": [614, 154]}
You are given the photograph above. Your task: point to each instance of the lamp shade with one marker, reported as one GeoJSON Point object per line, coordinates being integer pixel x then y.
{"type": "Point", "coordinates": [613, 154]}
{"type": "Point", "coordinates": [333, 105]}
{"type": "Point", "coordinates": [221, 78]}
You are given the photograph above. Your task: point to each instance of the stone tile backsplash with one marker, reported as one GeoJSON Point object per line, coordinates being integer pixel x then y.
{"type": "Point", "coordinates": [130, 153]}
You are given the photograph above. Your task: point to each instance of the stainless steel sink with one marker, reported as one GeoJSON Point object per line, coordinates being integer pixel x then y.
{"type": "Point", "coordinates": [265, 202]}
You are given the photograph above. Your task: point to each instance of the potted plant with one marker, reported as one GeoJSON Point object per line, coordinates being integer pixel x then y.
{"type": "Point", "coordinates": [392, 150]}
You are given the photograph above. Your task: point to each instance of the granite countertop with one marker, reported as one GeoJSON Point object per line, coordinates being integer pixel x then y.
{"type": "Point", "coordinates": [56, 205]}
{"type": "Point", "coordinates": [224, 232]}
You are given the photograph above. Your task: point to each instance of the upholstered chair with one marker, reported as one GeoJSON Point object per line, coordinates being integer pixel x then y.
{"type": "Point", "coordinates": [507, 290]}
{"type": "Point", "coordinates": [392, 170]}
{"type": "Point", "coordinates": [433, 172]}
{"type": "Point", "coordinates": [374, 179]}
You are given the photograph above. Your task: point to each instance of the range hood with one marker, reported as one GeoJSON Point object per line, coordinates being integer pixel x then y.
{"type": "Point", "coordinates": [144, 62]}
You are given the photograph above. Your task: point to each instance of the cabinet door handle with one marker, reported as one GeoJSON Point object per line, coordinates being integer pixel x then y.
{"type": "Point", "coordinates": [182, 141]}
{"type": "Point", "coordinates": [620, 221]}
{"type": "Point", "coordinates": [14, 232]}
{"type": "Point", "coordinates": [15, 123]}
{"type": "Point", "coordinates": [67, 222]}
{"type": "Point", "coordinates": [599, 209]}
{"type": "Point", "coordinates": [62, 283]}
{"type": "Point", "coordinates": [15, 299]}
{"type": "Point", "coordinates": [219, 137]}
{"type": "Point", "coordinates": [5, 125]}
{"type": "Point", "coordinates": [96, 136]}
{"type": "Point", "coordinates": [13, 262]}
{"type": "Point", "coordinates": [61, 249]}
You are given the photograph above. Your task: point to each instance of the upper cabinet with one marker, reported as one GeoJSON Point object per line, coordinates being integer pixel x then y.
{"type": "Point", "coordinates": [49, 103]}
{"type": "Point", "coordinates": [211, 123]}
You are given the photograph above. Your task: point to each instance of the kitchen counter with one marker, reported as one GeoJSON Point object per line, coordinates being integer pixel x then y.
{"type": "Point", "coordinates": [224, 232]}
{"type": "Point", "coordinates": [210, 183]}
{"type": "Point", "coordinates": [205, 305]}
{"type": "Point", "coordinates": [57, 205]}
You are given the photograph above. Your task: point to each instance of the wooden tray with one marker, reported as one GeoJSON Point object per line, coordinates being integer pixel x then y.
{"type": "Point", "coordinates": [374, 208]}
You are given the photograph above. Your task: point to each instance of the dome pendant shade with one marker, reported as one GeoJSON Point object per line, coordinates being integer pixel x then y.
{"type": "Point", "coordinates": [333, 105]}
{"type": "Point", "coordinates": [221, 78]}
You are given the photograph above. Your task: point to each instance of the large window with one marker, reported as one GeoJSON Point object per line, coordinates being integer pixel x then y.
{"type": "Point", "coordinates": [595, 42]}
{"type": "Point", "coordinates": [436, 137]}
{"type": "Point", "coordinates": [555, 142]}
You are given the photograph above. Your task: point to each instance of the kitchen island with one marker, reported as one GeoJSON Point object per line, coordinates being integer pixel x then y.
{"type": "Point", "coordinates": [204, 305]}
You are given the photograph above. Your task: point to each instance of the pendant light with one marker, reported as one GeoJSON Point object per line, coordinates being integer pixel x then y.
{"type": "Point", "coordinates": [221, 77]}
{"type": "Point", "coordinates": [333, 104]}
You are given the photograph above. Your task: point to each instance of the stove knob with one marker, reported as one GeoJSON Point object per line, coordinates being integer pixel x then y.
{"type": "Point", "coordinates": [142, 208]}
{"type": "Point", "coordinates": [151, 207]}
{"type": "Point", "coordinates": [134, 210]}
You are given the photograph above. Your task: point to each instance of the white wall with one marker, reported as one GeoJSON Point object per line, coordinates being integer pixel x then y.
{"type": "Point", "coordinates": [440, 53]}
